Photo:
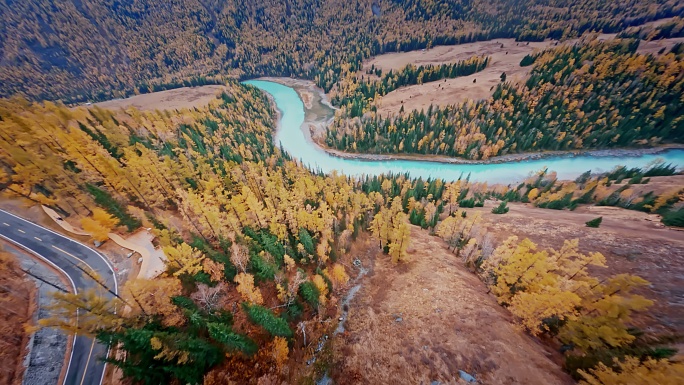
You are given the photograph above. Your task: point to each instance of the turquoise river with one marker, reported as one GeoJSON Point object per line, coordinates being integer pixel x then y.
{"type": "Point", "coordinates": [291, 137]}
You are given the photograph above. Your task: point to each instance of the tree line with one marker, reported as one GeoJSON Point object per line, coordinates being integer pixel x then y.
{"type": "Point", "coordinates": [357, 95]}
{"type": "Point", "coordinates": [256, 244]}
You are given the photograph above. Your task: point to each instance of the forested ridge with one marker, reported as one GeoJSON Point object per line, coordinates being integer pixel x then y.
{"type": "Point", "coordinates": [255, 242]}
{"type": "Point", "coordinates": [98, 49]}
{"type": "Point", "coordinates": [593, 95]}
{"type": "Point", "coordinates": [258, 246]}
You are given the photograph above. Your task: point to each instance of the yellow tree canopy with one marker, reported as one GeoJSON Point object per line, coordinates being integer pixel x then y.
{"type": "Point", "coordinates": [95, 229]}
{"type": "Point", "coordinates": [633, 372]}
{"type": "Point", "coordinates": [184, 259]}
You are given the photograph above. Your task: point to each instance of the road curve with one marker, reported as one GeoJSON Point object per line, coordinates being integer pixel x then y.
{"type": "Point", "coordinates": [85, 366]}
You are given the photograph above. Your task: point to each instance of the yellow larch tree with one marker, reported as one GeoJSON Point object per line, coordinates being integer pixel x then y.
{"type": "Point", "coordinates": [633, 371]}
{"type": "Point", "coordinates": [95, 312]}
{"type": "Point", "coordinates": [400, 237]}
{"type": "Point", "coordinates": [338, 275]}
{"type": "Point", "coordinates": [99, 232]}
{"type": "Point", "coordinates": [153, 297]}
{"type": "Point", "coordinates": [280, 351]}
{"type": "Point", "coordinates": [184, 259]}
{"type": "Point", "coordinates": [606, 314]}
{"type": "Point", "coordinates": [105, 219]}
{"type": "Point", "coordinates": [247, 289]}
{"type": "Point", "coordinates": [214, 269]}
{"type": "Point", "coordinates": [289, 262]}
{"type": "Point", "coordinates": [322, 288]}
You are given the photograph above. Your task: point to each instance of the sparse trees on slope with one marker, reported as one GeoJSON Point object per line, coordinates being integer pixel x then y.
{"type": "Point", "coordinates": [635, 372]}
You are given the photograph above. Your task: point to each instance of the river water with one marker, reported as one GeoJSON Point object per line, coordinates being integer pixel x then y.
{"type": "Point", "coordinates": [292, 138]}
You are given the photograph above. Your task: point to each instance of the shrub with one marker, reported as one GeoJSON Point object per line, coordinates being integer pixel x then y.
{"type": "Point", "coordinates": [528, 60]}
{"type": "Point", "coordinates": [674, 218]}
{"type": "Point", "coordinates": [467, 203]}
{"type": "Point", "coordinates": [595, 222]}
{"type": "Point", "coordinates": [501, 209]}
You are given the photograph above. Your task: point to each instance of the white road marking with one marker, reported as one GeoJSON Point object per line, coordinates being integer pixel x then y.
{"type": "Point", "coordinates": [5, 223]}
{"type": "Point", "coordinates": [38, 239]}
{"type": "Point", "coordinates": [76, 258]}
{"type": "Point", "coordinates": [106, 261]}
{"type": "Point", "coordinates": [22, 231]}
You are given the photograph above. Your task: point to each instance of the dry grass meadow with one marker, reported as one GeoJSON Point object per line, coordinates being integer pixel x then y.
{"type": "Point", "coordinates": [179, 98]}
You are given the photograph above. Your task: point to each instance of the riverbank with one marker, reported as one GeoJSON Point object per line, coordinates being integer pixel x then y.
{"type": "Point", "coordinates": [318, 111]}
{"type": "Point", "coordinates": [509, 158]}
{"type": "Point", "coordinates": [294, 115]}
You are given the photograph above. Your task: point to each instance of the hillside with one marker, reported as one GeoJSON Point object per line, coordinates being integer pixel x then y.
{"type": "Point", "coordinates": [594, 94]}
{"type": "Point", "coordinates": [80, 51]}
{"type": "Point", "coordinates": [430, 318]}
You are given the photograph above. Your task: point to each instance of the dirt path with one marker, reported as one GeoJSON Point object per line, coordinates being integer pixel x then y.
{"type": "Point", "coordinates": [153, 259]}
{"type": "Point", "coordinates": [426, 320]}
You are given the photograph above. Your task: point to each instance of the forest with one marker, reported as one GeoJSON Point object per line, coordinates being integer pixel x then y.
{"type": "Point", "coordinates": [261, 249]}
{"type": "Point", "coordinates": [258, 246]}
{"type": "Point", "coordinates": [258, 231]}
{"type": "Point", "coordinates": [594, 95]}
{"type": "Point", "coordinates": [78, 51]}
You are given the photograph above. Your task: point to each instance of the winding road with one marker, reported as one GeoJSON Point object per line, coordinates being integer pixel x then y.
{"type": "Point", "coordinates": [85, 365]}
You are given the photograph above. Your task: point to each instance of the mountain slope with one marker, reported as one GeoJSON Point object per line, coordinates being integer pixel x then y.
{"type": "Point", "coordinates": [81, 50]}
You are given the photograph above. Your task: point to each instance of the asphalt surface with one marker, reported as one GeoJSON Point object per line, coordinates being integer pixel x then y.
{"type": "Point", "coordinates": [85, 365]}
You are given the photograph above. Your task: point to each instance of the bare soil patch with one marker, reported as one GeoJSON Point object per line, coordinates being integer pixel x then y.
{"type": "Point", "coordinates": [657, 184]}
{"type": "Point", "coordinates": [424, 321]}
{"type": "Point", "coordinates": [633, 242]}
{"type": "Point", "coordinates": [655, 46]}
{"type": "Point", "coordinates": [176, 99]}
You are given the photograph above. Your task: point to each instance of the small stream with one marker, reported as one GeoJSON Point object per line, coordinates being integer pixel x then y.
{"type": "Point", "coordinates": [326, 380]}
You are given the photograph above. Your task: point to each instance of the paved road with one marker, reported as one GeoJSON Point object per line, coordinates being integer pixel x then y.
{"type": "Point", "coordinates": [85, 366]}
